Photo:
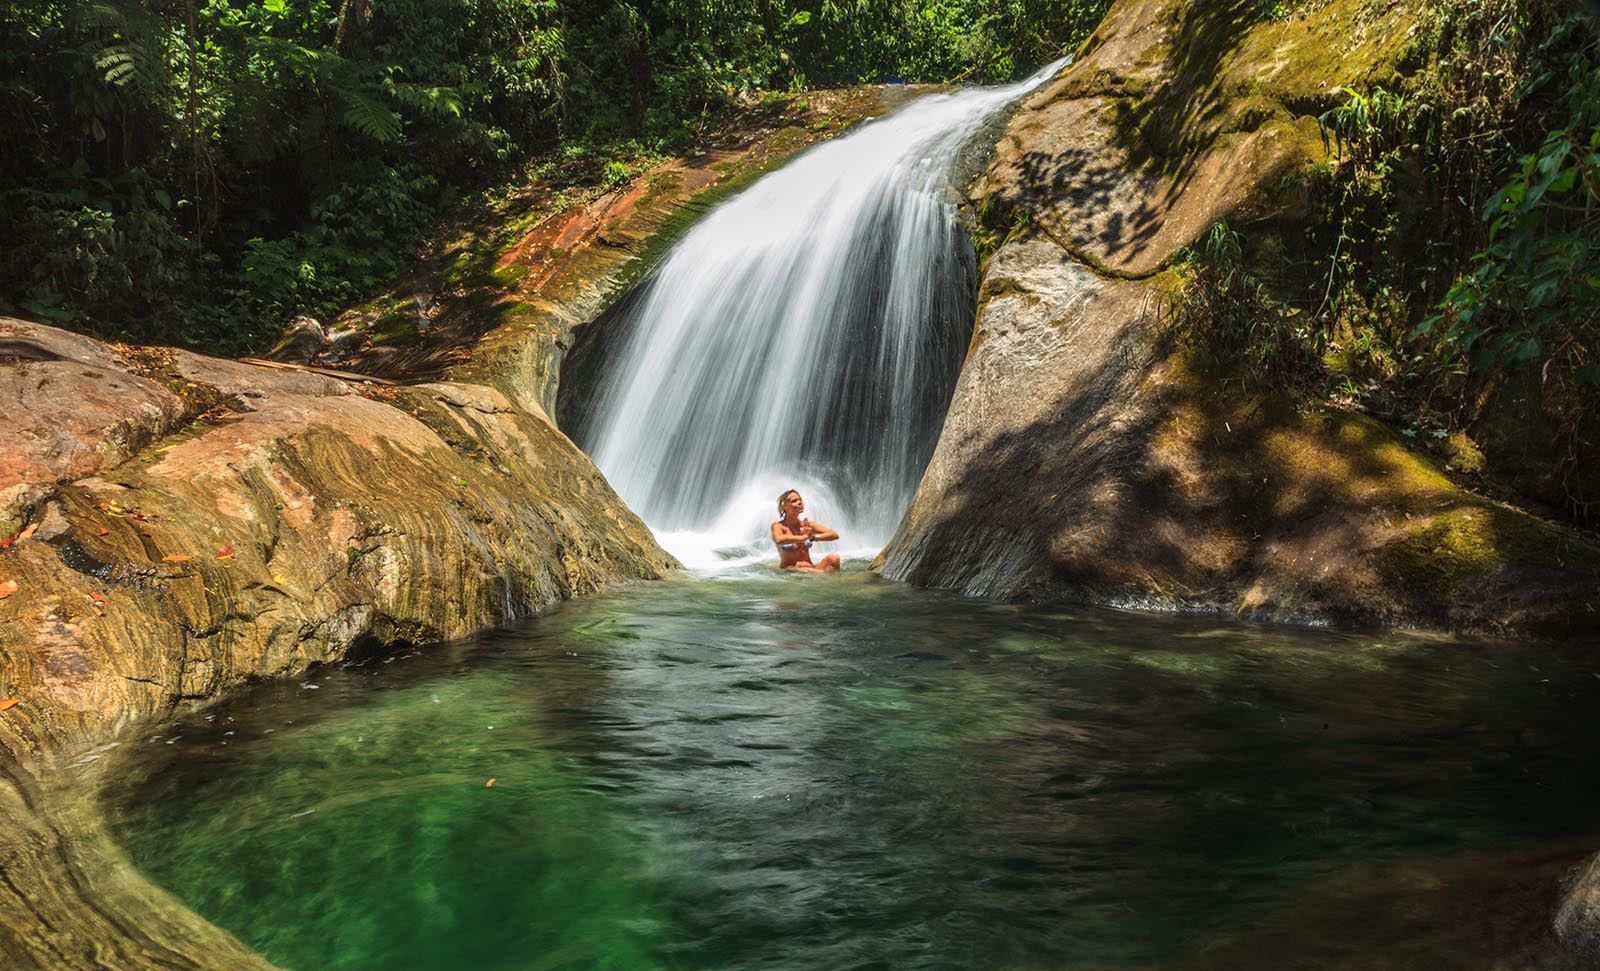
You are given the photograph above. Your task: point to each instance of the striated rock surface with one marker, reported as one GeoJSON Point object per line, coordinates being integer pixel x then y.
{"type": "Point", "coordinates": [1084, 459]}
{"type": "Point", "coordinates": [177, 525]}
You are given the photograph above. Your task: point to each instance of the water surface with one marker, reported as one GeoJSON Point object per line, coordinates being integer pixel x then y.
{"type": "Point", "coordinates": [781, 772]}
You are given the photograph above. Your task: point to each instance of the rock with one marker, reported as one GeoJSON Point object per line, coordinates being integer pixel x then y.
{"type": "Point", "coordinates": [343, 345]}
{"type": "Point", "coordinates": [53, 526]}
{"type": "Point", "coordinates": [242, 385]}
{"type": "Point", "coordinates": [301, 342]}
{"type": "Point", "coordinates": [1083, 458]}
{"type": "Point", "coordinates": [71, 407]}
{"type": "Point", "coordinates": [1578, 920]}
{"type": "Point", "coordinates": [296, 522]}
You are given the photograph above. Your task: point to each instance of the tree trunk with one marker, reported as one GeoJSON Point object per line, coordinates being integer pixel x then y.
{"type": "Point", "coordinates": [353, 18]}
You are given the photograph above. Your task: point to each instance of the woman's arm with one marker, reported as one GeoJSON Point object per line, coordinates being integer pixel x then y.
{"type": "Point", "coordinates": [781, 534]}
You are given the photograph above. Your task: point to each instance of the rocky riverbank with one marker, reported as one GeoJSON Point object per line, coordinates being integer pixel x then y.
{"type": "Point", "coordinates": [1089, 457]}
{"type": "Point", "coordinates": [178, 525]}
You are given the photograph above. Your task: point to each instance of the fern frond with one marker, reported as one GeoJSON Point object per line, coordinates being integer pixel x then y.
{"type": "Point", "coordinates": [370, 117]}
{"type": "Point", "coordinates": [438, 101]}
{"type": "Point", "coordinates": [132, 51]}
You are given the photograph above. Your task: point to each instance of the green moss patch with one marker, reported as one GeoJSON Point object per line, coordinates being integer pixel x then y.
{"type": "Point", "coordinates": [1437, 554]}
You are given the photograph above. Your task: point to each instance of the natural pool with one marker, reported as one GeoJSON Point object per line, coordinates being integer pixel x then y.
{"type": "Point", "coordinates": [780, 772]}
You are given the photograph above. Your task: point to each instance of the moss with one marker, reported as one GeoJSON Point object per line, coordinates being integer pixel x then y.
{"type": "Point", "coordinates": [1252, 112]}
{"type": "Point", "coordinates": [510, 275]}
{"type": "Point", "coordinates": [1464, 455]}
{"type": "Point", "coordinates": [659, 186]}
{"type": "Point", "coordinates": [1437, 554]}
{"type": "Point", "coordinates": [397, 327]}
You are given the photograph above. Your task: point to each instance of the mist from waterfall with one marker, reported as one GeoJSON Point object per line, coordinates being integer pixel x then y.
{"type": "Point", "coordinates": [807, 333]}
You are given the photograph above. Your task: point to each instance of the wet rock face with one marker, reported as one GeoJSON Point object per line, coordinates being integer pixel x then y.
{"type": "Point", "coordinates": [181, 524]}
{"type": "Point", "coordinates": [1084, 458]}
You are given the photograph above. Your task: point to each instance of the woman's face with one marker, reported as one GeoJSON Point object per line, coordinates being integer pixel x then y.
{"type": "Point", "coordinates": [794, 504]}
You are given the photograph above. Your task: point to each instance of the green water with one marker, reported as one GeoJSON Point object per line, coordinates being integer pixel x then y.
{"type": "Point", "coordinates": [791, 772]}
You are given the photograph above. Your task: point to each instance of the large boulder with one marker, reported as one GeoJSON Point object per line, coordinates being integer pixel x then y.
{"type": "Point", "coordinates": [177, 525]}
{"type": "Point", "coordinates": [1087, 458]}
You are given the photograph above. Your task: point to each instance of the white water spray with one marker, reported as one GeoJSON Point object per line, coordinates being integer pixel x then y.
{"type": "Point", "coordinates": [807, 333]}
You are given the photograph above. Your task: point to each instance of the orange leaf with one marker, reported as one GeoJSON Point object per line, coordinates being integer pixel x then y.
{"type": "Point", "coordinates": [103, 532]}
{"type": "Point", "coordinates": [176, 558]}
{"type": "Point", "coordinates": [137, 517]}
{"type": "Point", "coordinates": [6, 541]}
{"type": "Point", "coordinates": [8, 588]}
{"type": "Point", "coordinates": [225, 552]}
{"type": "Point", "coordinates": [490, 783]}
{"type": "Point", "coordinates": [28, 533]}
{"type": "Point", "coordinates": [97, 598]}
{"type": "Point", "coordinates": [7, 703]}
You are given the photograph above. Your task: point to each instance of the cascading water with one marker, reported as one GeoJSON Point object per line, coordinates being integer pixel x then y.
{"type": "Point", "coordinates": [807, 333]}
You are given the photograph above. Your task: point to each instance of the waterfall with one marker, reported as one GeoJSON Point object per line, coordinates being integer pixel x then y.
{"type": "Point", "coordinates": [806, 333]}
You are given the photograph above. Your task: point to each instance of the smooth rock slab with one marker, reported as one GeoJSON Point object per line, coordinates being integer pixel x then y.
{"type": "Point", "coordinates": [204, 523]}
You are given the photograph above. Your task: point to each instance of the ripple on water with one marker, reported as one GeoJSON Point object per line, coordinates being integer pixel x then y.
{"type": "Point", "coordinates": [759, 772]}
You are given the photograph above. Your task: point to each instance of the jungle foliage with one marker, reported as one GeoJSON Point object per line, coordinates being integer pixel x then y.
{"type": "Point", "coordinates": [1452, 261]}
{"type": "Point", "coordinates": [197, 171]}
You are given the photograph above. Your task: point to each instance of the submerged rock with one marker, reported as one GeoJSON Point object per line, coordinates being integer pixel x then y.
{"type": "Point", "coordinates": [182, 525]}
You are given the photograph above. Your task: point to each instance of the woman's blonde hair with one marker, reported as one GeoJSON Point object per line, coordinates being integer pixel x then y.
{"type": "Point", "coordinates": [786, 494]}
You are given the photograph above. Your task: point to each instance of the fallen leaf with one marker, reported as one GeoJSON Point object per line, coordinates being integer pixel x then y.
{"type": "Point", "coordinates": [225, 552]}
{"type": "Point", "coordinates": [6, 541]}
{"type": "Point", "coordinates": [137, 517]}
{"type": "Point", "coordinates": [8, 588]}
{"type": "Point", "coordinates": [490, 783]}
{"type": "Point", "coordinates": [97, 598]}
{"type": "Point", "coordinates": [103, 532]}
{"type": "Point", "coordinates": [7, 703]}
{"type": "Point", "coordinates": [28, 533]}
{"type": "Point", "coordinates": [176, 558]}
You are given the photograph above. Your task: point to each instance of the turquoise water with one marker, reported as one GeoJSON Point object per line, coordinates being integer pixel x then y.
{"type": "Point", "coordinates": [782, 772]}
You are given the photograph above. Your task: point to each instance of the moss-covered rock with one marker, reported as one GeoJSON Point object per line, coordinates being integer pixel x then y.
{"type": "Point", "coordinates": [1085, 458]}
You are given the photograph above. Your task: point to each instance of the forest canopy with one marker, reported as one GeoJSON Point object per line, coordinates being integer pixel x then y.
{"type": "Point", "coordinates": [198, 171]}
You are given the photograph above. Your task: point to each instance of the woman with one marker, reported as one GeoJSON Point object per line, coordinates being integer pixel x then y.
{"type": "Point", "coordinates": [795, 535]}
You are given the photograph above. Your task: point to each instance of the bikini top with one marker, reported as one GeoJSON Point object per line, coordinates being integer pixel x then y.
{"type": "Point", "coordinates": [791, 547]}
